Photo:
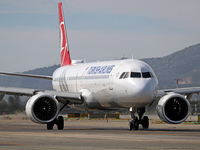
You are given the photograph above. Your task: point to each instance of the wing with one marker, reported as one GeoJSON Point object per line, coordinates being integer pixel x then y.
{"type": "Point", "coordinates": [73, 97]}
{"type": "Point", "coordinates": [27, 75]}
{"type": "Point", "coordinates": [61, 96]}
{"type": "Point", "coordinates": [183, 91]}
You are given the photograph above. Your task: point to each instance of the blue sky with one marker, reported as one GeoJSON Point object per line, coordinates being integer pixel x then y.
{"type": "Point", "coordinates": [97, 30]}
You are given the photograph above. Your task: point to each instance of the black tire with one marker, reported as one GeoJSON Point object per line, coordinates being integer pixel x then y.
{"type": "Point", "coordinates": [130, 125]}
{"type": "Point", "coordinates": [60, 123]}
{"type": "Point", "coordinates": [50, 126]}
{"type": "Point", "coordinates": [136, 123]}
{"type": "Point", "coordinates": [145, 122]}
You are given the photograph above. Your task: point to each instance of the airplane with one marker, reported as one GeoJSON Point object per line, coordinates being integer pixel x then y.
{"type": "Point", "coordinates": [106, 85]}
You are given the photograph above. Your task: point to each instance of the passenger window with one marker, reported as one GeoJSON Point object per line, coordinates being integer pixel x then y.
{"type": "Point", "coordinates": [146, 75]}
{"type": "Point", "coordinates": [135, 75]}
{"type": "Point", "coordinates": [122, 75]}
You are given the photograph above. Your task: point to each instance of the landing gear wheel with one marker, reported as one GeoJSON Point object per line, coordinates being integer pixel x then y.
{"type": "Point", "coordinates": [50, 126]}
{"type": "Point", "coordinates": [60, 123]}
{"type": "Point", "coordinates": [136, 123]}
{"type": "Point", "coordinates": [131, 125]}
{"type": "Point", "coordinates": [145, 122]}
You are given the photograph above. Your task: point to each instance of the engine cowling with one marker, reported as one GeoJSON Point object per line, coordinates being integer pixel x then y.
{"type": "Point", "coordinates": [173, 108]}
{"type": "Point", "coordinates": [42, 108]}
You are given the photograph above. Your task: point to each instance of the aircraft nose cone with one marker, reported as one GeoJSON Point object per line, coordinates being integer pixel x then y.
{"type": "Point", "coordinates": [145, 86]}
{"type": "Point", "coordinates": [145, 90]}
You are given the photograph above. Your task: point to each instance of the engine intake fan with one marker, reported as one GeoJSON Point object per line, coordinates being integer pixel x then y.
{"type": "Point", "coordinates": [42, 108]}
{"type": "Point", "coordinates": [173, 108]}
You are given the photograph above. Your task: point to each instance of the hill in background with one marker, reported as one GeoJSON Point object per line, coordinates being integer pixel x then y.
{"type": "Point", "coordinates": [183, 65]}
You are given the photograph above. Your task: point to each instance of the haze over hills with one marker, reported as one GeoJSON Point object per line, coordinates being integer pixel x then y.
{"type": "Point", "coordinates": [183, 65]}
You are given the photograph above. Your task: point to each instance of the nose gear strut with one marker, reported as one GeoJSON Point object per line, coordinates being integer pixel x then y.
{"type": "Point", "coordinates": [135, 122]}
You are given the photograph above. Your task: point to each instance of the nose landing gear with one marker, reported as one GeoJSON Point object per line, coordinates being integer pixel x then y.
{"type": "Point", "coordinates": [135, 122]}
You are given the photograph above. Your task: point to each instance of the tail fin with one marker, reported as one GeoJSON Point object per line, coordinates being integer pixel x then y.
{"type": "Point", "coordinates": [65, 56]}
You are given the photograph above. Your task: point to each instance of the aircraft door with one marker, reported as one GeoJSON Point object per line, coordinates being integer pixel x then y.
{"type": "Point", "coordinates": [79, 80]}
{"type": "Point", "coordinates": [112, 76]}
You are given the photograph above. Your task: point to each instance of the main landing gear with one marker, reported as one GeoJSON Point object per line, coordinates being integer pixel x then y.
{"type": "Point", "coordinates": [135, 122]}
{"type": "Point", "coordinates": [59, 121]}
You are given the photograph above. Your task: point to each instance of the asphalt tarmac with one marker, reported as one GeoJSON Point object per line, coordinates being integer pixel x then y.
{"type": "Point", "coordinates": [18, 133]}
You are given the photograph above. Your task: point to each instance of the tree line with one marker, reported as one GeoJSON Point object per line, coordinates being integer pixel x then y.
{"type": "Point", "coordinates": [12, 104]}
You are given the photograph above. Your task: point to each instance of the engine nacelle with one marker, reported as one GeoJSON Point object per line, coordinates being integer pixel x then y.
{"type": "Point", "coordinates": [173, 108]}
{"type": "Point", "coordinates": [42, 108]}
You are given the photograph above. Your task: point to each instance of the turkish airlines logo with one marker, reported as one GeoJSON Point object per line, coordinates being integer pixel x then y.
{"type": "Point", "coordinates": [63, 42]}
{"type": "Point", "coordinates": [62, 36]}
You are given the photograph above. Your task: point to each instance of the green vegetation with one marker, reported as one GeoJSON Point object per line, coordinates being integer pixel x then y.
{"type": "Point", "coordinates": [12, 105]}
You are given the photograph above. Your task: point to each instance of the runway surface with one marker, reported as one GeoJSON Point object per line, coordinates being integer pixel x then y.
{"type": "Point", "coordinates": [97, 135]}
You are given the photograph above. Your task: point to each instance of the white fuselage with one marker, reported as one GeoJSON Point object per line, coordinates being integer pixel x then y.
{"type": "Point", "coordinates": [109, 84]}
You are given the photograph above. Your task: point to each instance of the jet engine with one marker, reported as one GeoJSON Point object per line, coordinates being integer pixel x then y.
{"type": "Point", "coordinates": [42, 108]}
{"type": "Point", "coordinates": [173, 108]}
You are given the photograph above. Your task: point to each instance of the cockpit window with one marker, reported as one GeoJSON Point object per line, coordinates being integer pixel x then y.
{"type": "Point", "coordinates": [122, 75]}
{"type": "Point", "coordinates": [153, 75]}
{"type": "Point", "coordinates": [146, 75]}
{"type": "Point", "coordinates": [127, 75]}
{"type": "Point", "coordinates": [135, 75]}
